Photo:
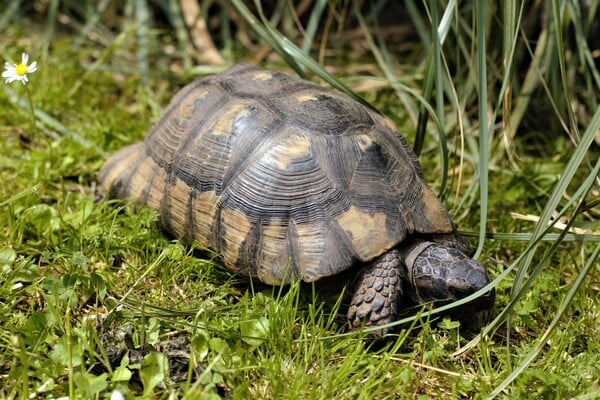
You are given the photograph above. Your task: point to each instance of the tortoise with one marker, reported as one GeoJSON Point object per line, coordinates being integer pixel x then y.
{"type": "Point", "coordinates": [289, 180]}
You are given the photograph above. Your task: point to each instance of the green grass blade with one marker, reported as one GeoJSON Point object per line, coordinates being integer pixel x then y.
{"type": "Point", "coordinates": [548, 237]}
{"type": "Point", "coordinates": [540, 57]}
{"type": "Point", "coordinates": [542, 341]}
{"type": "Point", "coordinates": [9, 13]}
{"type": "Point", "coordinates": [382, 62]}
{"type": "Point", "coordinates": [313, 25]}
{"type": "Point", "coordinates": [582, 44]}
{"type": "Point", "coordinates": [439, 94]}
{"type": "Point", "coordinates": [20, 195]}
{"type": "Point", "coordinates": [446, 21]}
{"type": "Point", "coordinates": [433, 73]}
{"type": "Point", "coordinates": [542, 228]}
{"type": "Point", "coordinates": [418, 21]}
{"type": "Point", "coordinates": [106, 54]}
{"type": "Point", "coordinates": [512, 23]}
{"type": "Point", "coordinates": [51, 19]}
{"type": "Point", "coordinates": [291, 53]}
{"type": "Point", "coordinates": [174, 12]}
{"type": "Point", "coordinates": [484, 128]}
{"type": "Point", "coordinates": [142, 17]}
{"type": "Point", "coordinates": [265, 32]}
{"type": "Point", "coordinates": [423, 116]}
{"type": "Point", "coordinates": [557, 12]}
{"type": "Point", "coordinates": [559, 189]}
{"type": "Point", "coordinates": [47, 121]}
{"type": "Point", "coordinates": [91, 23]}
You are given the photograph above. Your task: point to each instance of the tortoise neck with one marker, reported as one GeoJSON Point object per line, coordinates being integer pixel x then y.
{"type": "Point", "coordinates": [412, 251]}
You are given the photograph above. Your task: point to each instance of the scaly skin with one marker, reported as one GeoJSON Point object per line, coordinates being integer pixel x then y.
{"type": "Point", "coordinates": [418, 270]}
{"type": "Point", "coordinates": [379, 292]}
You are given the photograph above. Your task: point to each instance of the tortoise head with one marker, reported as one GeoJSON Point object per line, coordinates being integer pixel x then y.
{"type": "Point", "coordinates": [441, 273]}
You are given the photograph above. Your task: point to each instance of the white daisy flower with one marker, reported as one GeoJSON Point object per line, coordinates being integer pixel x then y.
{"type": "Point", "coordinates": [18, 72]}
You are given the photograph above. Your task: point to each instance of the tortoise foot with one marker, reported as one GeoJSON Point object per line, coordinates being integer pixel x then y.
{"type": "Point", "coordinates": [376, 298]}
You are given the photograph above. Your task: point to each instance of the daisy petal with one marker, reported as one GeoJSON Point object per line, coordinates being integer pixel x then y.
{"type": "Point", "coordinates": [18, 72]}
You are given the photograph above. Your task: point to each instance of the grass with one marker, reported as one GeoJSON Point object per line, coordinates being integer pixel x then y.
{"type": "Point", "coordinates": [75, 272]}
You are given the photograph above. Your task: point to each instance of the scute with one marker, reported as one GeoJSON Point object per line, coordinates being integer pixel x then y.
{"type": "Point", "coordinates": [286, 179]}
{"type": "Point", "coordinates": [327, 113]}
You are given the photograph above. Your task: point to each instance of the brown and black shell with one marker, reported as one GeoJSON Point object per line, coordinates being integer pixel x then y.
{"type": "Point", "coordinates": [284, 178]}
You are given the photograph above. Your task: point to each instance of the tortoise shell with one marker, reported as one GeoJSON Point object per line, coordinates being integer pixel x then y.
{"type": "Point", "coordinates": [284, 178]}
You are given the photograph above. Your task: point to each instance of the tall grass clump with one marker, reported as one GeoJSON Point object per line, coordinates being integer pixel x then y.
{"type": "Point", "coordinates": [501, 104]}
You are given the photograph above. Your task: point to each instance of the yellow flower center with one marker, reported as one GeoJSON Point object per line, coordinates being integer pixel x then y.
{"type": "Point", "coordinates": [21, 69]}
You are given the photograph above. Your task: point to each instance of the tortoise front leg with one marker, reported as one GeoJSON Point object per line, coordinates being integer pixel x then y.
{"type": "Point", "coordinates": [377, 296]}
